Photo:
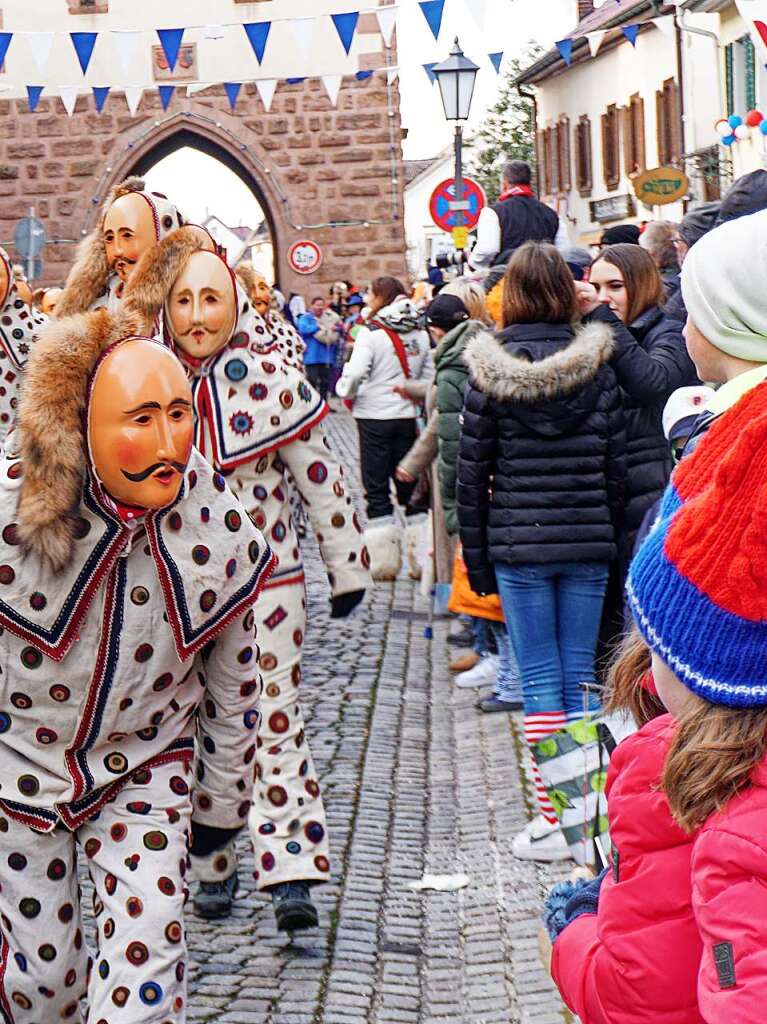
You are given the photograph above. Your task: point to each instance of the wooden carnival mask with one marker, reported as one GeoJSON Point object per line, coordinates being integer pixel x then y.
{"type": "Point", "coordinates": [129, 230]}
{"type": "Point", "coordinates": [50, 298]}
{"type": "Point", "coordinates": [201, 311]}
{"type": "Point", "coordinates": [5, 282]}
{"type": "Point", "coordinates": [262, 294]}
{"type": "Point", "coordinates": [140, 424]}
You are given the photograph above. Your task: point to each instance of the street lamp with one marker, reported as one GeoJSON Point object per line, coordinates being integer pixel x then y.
{"type": "Point", "coordinates": [456, 77]}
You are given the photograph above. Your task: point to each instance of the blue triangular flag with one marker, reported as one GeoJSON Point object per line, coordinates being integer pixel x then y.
{"type": "Point", "coordinates": [100, 93]}
{"type": "Point", "coordinates": [631, 32]}
{"type": "Point", "coordinates": [432, 11]}
{"type": "Point", "coordinates": [295, 81]}
{"type": "Point", "coordinates": [495, 60]}
{"type": "Point", "coordinates": [170, 40]}
{"type": "Point", "coordinates": [83, 43]}
{"type": "Point", "coordinates": [5, 42]}
{"type": "Point", "coordinates": [33, 95]}
{"type": "Point", "coordinates": [345, 27]}
{"type": "Point", "coordinates": [362, 75]}
{"type": "Point", "coordinates": [258, 32]}
{"type": "Point", "coordinates": [166, 93]}
{"type": "Point", "coordinates": [565, 47]}
{"type": "Point", "coordinates": [232, 91]}
{"type": "Point", "coordinates": [428, 69]}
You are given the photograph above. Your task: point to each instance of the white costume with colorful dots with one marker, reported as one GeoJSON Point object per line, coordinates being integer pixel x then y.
{"type": "Point", "coordinates": [259, 422]}
{"type": "Point", "coordinates": [19, 327]}
{"type": "Point", "coordinates": [111, 670]}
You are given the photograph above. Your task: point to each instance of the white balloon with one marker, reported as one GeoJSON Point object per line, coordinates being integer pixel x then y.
{"type": "Point", "coordinates": [742, 131]}
{"type": "Point", "coordinates": [723, 127]}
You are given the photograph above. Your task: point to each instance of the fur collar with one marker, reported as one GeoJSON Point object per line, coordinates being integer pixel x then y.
{"type": "Point", "coordinates": [506, 377]}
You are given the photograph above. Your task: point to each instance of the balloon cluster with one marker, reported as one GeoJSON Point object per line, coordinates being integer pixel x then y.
{"type": "Point", "coordinates": [734, 128]}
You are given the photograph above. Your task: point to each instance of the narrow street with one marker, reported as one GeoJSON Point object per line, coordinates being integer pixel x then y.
{"type": "Point", "coordinates": [416, 780]}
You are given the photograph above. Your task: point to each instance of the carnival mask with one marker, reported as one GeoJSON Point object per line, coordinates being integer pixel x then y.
{"type": "Point", "coordinates": [129, 230]}
{"type": "Point", "coordinates": [262, 294]}
{"type": "Point", "coordinates": [202, 306]}
{"type": "Point", "coordinates": [140, 424]}
{"type": "Point", "coordinates": [23, 291]}
{"type": "Point", "coordinates": [5, 282]}
{"type": "Point", "coordinates": [51, 297]}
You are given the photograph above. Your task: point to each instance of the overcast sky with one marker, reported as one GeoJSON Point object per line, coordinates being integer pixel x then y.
{"type": "Point", "coordinates": [199, 183]}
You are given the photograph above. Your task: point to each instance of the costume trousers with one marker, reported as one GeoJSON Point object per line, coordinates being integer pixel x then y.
{"type": "Point", "coordinates": [136, 853]}
{"type": "Point", "coordinates": [287, 819]}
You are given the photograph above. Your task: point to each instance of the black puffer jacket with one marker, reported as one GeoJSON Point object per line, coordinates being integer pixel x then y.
{"type": "Point", "coordinates": [542, 459]}
{"type": "Point", "coordinates": [650, 362]}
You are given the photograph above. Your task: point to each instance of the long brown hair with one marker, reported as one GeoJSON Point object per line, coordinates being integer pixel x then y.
{"type": "Point", "coordinates": [387, 289]}
{"type": "Point", "coordinates": [644, 285]}
{"type": "Point", "coordinates": [538, 287]}
{"type": "Point", "coordinates": [624, 690]}
{"type": "Point", "coordinates": [714, 752]}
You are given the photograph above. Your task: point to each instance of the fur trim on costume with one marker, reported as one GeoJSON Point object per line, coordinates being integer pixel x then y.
{"type": "Point", "coordinates": [506, 377]}
{"type": "Point", "coordinates": [50, 429]}
{"type": "Point", "coordinates": [88, 277]}
{"type": "Point", "coordinates": [151, 281]}
{"type": "Point", "coordinates": [216, 866]}
{"type": "Point", "coordinates": [247, 276]}
{"type": "Point", "coordinates": [383, 544]}
{"type": "Point", "coordinates": [414, 528]}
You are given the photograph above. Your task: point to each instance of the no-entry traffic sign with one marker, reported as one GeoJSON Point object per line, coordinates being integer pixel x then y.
{"type": "Point", "coordinates": [444, 196]}
{"type": "Point", "coordinates": [305, 256]}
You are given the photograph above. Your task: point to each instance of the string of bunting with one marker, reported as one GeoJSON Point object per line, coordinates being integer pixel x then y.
{"type": "Point", "coordinates": [665, 23]}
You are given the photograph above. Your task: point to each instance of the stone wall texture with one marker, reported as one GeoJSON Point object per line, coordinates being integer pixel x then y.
{"type": "Point", "coordinates": [310, 163]}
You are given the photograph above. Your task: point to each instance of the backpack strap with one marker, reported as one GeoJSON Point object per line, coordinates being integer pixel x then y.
{"type": "Point", "coordinates": [396, 341]}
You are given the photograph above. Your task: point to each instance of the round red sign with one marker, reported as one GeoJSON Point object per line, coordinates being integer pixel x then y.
{"type": "Point", "coordinates": [305, 256]}
{"type": "Point", "coordinates": [443, 197]}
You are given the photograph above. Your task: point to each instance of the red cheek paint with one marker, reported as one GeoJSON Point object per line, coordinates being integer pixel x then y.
{"type": "Point", "coordinates": [127, 453]}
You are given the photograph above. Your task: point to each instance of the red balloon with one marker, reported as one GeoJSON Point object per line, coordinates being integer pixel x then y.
{"type": "Point", "coordinates": [754, 117]}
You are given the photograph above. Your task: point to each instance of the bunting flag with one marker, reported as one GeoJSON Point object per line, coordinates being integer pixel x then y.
{"type": "Point", "coordinates": [332, 85]}
{"type": "Point", "coordinates": [302, 30]}
{"type": "Point", "coordinates": [5, 42]}
{"type": "Point", "coordinates": [392, 74]}
{"type": "Point", "coordinates": [432, 11]}
{"type": "Point", "coordinates": [100, 93]}
{"type": "Point", "coordinates": [667, 25]}
{"type": "Point", "coordinates": [565, 47]}
{"type": "Point", "coordinates": [477, 9]}
{"type": "Point", "coordinates": [33, 95]}
{"type": "Point", "coordinates": [68, 96]}
{"type": "Point", "coordinates": [170, 41]}
{"type": "Point", "coordinates": [40, 44]}
{"type": "Point", "coordinates": [362, 76]}
{"type": "Point", "coordinates": [83, 43]}
{"type": "Point", "coordinates": [429, 69]}
{"type": "Point", "coordinates": [266, 87]}
{"type": "Point", "coordinates": [387, 19]}
{"type": "Point", "coordinates": [631, 32]}
{"type": "Point", "coordinates": [257, 33]}
{"type": "Point", "coordinates": [232, 91]}
{"type": "Point", "coordinates": [346, 26]}
{"type": "Point", "coordinates": [495, 60]}
{"type": "Point", "coordinates": [166, 94]}
{"type": "Point", "coordinates": [128, 46]}
{"type": "Point", "coordinates": [595, 40]}
{"type": "Point", "coordinates": [133, 94]}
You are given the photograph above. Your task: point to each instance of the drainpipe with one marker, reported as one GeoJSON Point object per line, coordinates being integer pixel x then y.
{"type": "Point", "coordinates": [533, 99]}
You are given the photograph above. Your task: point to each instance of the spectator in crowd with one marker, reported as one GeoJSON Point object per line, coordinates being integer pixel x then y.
{"type": "Point", "coordinates": [295, 307]}
{"type": "Point", "coordinates": [660, 238]}
{"type": "Point", "coordinates": [746, 195]}
{"type": "Point", "coordinates": [541, 477]}
{"type": "Point", "coordinates": [319, 339]}
{"type": "Point", "coordinates": [391, 351]}
{"type": "Point", "coordinates": [619, 234]}
{"type": "Point", "coordinates": [516, 218]}
{"type": "Point", "coordinates": [693, 227]}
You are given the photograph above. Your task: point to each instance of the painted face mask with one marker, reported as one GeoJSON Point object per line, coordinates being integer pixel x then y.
{"type": "Point", "coordinates": [140, 424]}
{"type": "Point", "coordinates": [262, 298]}
{"type": "Point", "coordinates": [201, 310]}
{"type": "Point", "coordinates": [50, 299]}
{"type": "Point", "coordinates": [129, 230]}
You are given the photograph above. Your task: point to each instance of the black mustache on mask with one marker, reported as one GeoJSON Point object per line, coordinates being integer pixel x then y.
{"type": "Point", "coordinates": [124, 259]}
{"type": "Point", "coordinates": [138, 477]}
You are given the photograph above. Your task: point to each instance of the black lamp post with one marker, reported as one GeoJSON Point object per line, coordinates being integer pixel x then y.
{"type": "Point", "coordinates": [456, 77]}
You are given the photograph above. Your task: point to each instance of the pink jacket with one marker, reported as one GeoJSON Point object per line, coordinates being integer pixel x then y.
{"type": "Point", "coordinates": [681, 932]}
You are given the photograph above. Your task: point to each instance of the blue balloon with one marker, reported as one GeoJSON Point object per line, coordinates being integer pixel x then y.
{"type": "Point", "coordinates": [734, 120]}
{"type": "Point", "coordinates": [763, 126]}
{"type": "Point", "coordinates": [728, 140]}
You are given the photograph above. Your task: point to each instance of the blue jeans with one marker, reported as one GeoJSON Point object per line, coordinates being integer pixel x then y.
{"type": "Point", "coordinates": [508, 686]}
{"type": "Point", "coordinates": [553, 613]}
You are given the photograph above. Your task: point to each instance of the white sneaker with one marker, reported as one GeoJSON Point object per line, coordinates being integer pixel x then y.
{"type": "Point", "coordinates": [484, 673]}
{"type": "Point", "coordinates": [541, 841]}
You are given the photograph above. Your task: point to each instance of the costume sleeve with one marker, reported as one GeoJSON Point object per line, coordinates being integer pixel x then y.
{"type": "Point", "coordinates": [488, 243]}
{"type": "Point", "coordinates": [359, 366]}
{"type": "Point", "coordinates": [227, 723]}
{"type": "Point", "coordinates": [320, 481]}
{"type": "Point", "coordinates": [729, 899]}
{"type": "Point", "coordinates": [424, 451]}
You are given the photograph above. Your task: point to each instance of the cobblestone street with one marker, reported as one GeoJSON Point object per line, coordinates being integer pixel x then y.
{"type": "Point", "coordinates": [415, 780]}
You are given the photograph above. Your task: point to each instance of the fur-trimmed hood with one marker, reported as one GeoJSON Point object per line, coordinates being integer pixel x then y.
{"type": "Point", "coordinates": [49, 428]}
{"type": "Point", "coordinates": [508, 377]}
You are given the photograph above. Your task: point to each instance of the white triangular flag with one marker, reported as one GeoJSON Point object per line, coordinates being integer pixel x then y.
{"type": "Point", "coordinates": [595, 41]}
{"type": "Point", "coordinates": [128, 46]}
{"type": "Point", "coordinates": [266, 87]}
{"type": "Point", "coordinates": [304, 32]}
{"type": "Point", "coordinates": [40, 44]}
{"type": "Point", "coordinates": [68, 95]}
{"type": "Point", "coordinates": [387, 18]}
{"type": "Point", "coordinates": [476, 9]}
{"type": "Point", "coordinates": [133, 94]}
{"type": "Point", "coordinates": [332, 85]}
{"type": "Point", "coordinates": [666, 25]}
{"type": "Point", "coordinates": [197, 87]}
{"type": "Point", "coordinates": [392, 74]}
{"type": "Point", "coordinates": [213, 32]}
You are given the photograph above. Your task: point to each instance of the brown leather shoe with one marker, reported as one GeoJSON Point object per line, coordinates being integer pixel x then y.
{"type": "Point", "coordinates": [464, 662]}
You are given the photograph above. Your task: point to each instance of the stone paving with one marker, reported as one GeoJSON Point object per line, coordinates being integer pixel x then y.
{"type": "Point", "coordinates": [415, 780]}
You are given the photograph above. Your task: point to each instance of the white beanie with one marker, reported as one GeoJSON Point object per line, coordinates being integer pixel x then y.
{"type": "Point", "coordinates": [723, 286]}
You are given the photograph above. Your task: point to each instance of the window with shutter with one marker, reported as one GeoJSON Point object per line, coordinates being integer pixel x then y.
{"type": "Point", "coordinates": [633, 136]}
{"type": "Point", "coordinates": [611, 147]}
{"type": "Point", "coordinates": [584, 178]}
{"type": "Point", "coordinates": [563, 155]}
{"type": "Point", "coordinates": [547, 183]}
{"type": "Point", "coordinates": [669, 128]}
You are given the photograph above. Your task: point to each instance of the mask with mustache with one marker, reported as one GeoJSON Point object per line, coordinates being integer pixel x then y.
{"type": "Point", "coordinates": [129, 230]}
{"type": "Point", "coordinates": [202, 306]}
{"type": "Point", "coordinates": [140, 424]}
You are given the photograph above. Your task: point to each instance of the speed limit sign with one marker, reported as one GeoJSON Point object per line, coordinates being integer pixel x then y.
{"type": "Point", "coordinates": [305, 256]}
